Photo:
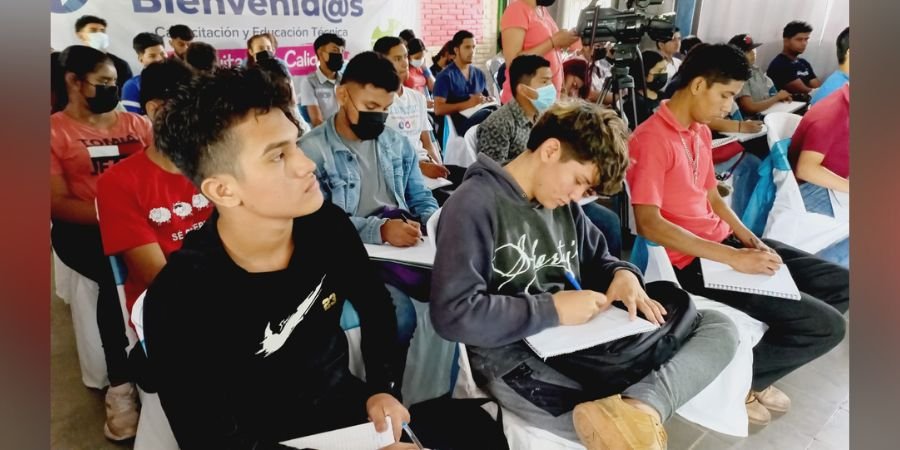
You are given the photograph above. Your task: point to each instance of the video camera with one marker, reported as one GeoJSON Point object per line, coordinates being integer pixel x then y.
{"type": "Point", "coordinates": [624, 28]}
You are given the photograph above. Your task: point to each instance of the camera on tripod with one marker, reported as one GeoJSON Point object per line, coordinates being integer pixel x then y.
{"type": "Point", "coordinates": [625, 28]}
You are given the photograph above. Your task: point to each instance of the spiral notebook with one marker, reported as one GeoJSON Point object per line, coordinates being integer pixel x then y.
{"type": "Point", "coordinates": [607, 326]}
{"type": "Point", "coordinates": [721, 276]}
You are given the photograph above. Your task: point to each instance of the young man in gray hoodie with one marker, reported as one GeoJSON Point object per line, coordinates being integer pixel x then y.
{"type": "Point", "coordinates": [505, 241]}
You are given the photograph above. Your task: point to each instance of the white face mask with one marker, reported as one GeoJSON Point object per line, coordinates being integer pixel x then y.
{"type": "Point", "coordinates": [417, 62]}
{"type": "Point", "coordinates": [98, 40]}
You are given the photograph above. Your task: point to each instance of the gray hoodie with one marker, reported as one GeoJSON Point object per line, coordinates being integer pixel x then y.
{"type": "Point", "coordinates": [500, 257]}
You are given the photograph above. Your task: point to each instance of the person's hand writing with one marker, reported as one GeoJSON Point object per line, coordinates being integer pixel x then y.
{"type": "Point", "coordinates": [626, 288]}
{"type": "Point", "coordinates": [577, 307]}
{"type": "Point", "coordinates": [754, 261]}
{"type": "Point", "coordinates": [432, 170]}
{"type": "Point", "coordinates": [380, 406]}
{"type": "Point", "coordinates": [751, 126]}
{"type": "Point", "coordinates": [401, 234]}
{"type": "Point", "coordinates": [783, 96]}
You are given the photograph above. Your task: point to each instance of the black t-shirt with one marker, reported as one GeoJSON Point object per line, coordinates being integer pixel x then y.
{"type": "Point", "coordinates": [122, 69]}
{"type": "Point", "coordinates": [245, 360]}
{"type": "Point", "coordinates": [782, 70]}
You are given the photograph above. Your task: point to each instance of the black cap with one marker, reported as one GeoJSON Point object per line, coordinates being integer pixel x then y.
{"type": "Point", "coordinates": [744, 42]}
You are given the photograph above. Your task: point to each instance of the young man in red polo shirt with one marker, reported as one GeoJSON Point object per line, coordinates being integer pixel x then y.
{"type": "Point", "coordinates": [676, 204]}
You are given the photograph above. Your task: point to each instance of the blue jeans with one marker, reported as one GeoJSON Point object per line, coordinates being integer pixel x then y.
{"type": "Point", "coordinates": [817, 200]}
{"type": "Point", "coordinates": [744, 179]}
{"type": "Point", "coordinates": [608, 223]}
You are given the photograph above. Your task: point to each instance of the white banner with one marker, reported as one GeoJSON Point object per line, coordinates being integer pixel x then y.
{"type": "Point", "coordinates": [227, 24]}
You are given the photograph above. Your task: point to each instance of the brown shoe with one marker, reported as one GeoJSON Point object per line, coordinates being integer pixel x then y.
{"type": "Point", "coordinates": [757, 414]}
{"type": "Point", "coordinates": [773, 399]}
{"type": "Point", "coordinates": [612, 424]}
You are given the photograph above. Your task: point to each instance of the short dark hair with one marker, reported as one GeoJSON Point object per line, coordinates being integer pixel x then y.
{"type": "Point", "coordinates": [201, 56]}
{"type": "Point", "coordinates": [143, 41]}
{"type": "Point", "coordinates": [650, 58]}
{"type": "Point", "coordinates": [579, 68]}
{"type": "Point", "coordinates": [407, 35]}
{"type": "Point", "coordinates": [182, 32]}
{"type": "Point", "coordinates": [384, 44]}
{"type": "Point", "coordinates": [371, 68]}
{"type": "Point", "coordinates": [445, 50]}
{"type": "Point", "coordinates": [843, 44]}
{"type": "Point", "coordinates": [78, 59]}
{"type": "Point", "coordinates": [460, 36]}
{"type": "Point", "coordinates": [587, 132]}
{"type": "Point", "coordinates": [194, 129]}
{"type": "Point", "coordinates": [716, 63]}
{"type": "Point", "coordinates": [688, 43]}
{"type": "Point", "coordinates": [328, 38]}
{"type": "Point", "coordinates": [160, 80]}
{"type": "Point", "coordinates": [415, 45]}
{"type": "Point", "coordinates": [796, 27]}
{"type": "Point", "coordinates": [84, 21]}
{"type": "Point", "coordinates": [523, 69]}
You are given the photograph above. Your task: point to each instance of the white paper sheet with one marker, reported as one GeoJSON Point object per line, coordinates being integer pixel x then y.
{"type": "Point", "coordinates": [721, 276]}
{"type": "Point", "coordinates": [607, 326]}
{"type": "Point", "coordinates": [358, 437]}
{"type": "Point", "coordinates": [421, 254]}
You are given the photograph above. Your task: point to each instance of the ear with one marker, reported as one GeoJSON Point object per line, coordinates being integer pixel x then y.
{"type": "Point", "coordinates": [550, 150]}
{"type": "Point", "coordinates": [221, 191]}
{"type": "Point", "coordinates": [341, 94]}
{"type": "Point", "coordinates": [152, 107]}
{"type": "Point", "coordinates": [72, 79]}
{"type": "Point", "coordinates": [697, 84]}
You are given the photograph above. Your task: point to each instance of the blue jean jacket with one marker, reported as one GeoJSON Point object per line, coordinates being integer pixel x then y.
{"type": "Point", "coordinates": [338, 173]}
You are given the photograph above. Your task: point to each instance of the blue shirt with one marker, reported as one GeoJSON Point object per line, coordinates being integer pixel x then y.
{"type": "Point", "coordinates": [834, 82]}
{"type": "Point", "coordinates": [131, 95]}
{"type": "Point", "coordinates": [453, 86]}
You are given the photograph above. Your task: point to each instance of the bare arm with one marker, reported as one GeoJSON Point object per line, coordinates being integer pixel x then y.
{"type": "Point", "coordinates": [64, 206]}
{"type": "Point", "coordinates": [797, 87]}
{"type": "Point", "coordinates": [815, 82]}
{"type": "Point", "coordinates": [442, 108]}
{"type": "Point", "coordinates": [726, 213]}
{"type": "Point", "coordinates": [749, 106]}
{"type": "Point", "coordinates": [735, 126]}
{"type": "Point", "coordinates": [811, 170]}
{"type": "Point", "coordinates": [315, 115]}
{"type": "Point", "coordinates": [144, 262]}
{"type": "Point", "coordinates": [652, 225]}
{"type": "Point", "coordinates": [429, 147]}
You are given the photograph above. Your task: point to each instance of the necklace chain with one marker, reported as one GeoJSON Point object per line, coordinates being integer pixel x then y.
{"type": "Point", "coordinates": [692, 158]}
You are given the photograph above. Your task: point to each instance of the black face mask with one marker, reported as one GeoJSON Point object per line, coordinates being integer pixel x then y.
{"type": "Point", "coordinates": [105, 99]}
{"type": "Point", "coordinates": [370, 124]}
{"type": "Point", "coordinates": [335, 62]}
{"type": "Point", "coordinates": [659, 82]}
{"type": "Point", "coordinates": [263, 55]}
{"type": "Point", "coordinates": [545, 2]}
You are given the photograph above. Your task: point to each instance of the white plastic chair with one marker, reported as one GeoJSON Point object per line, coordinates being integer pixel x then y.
{"type": "Point", "coordinates": [456, 153]}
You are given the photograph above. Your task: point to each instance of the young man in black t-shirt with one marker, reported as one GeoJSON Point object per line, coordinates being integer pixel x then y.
{"type": "Point", "coordinates": [242, 326]}
{"type": "Point", "coordinates": [788, 70]}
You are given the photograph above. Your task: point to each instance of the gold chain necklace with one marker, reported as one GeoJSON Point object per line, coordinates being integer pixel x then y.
{"type": "Point", "coordinates": [692, 157]}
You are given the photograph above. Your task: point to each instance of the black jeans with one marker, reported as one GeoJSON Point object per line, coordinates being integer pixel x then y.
{"type": "Point", "coordinates": [463, 123]}
{"type": "Point", "coordinates": [799, 331]}
{"type": "Point", "coordinates": [80, 248]}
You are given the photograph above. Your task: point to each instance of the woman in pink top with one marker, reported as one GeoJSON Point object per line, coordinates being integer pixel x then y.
{"type": "Point", "coordinates": [527, 28]}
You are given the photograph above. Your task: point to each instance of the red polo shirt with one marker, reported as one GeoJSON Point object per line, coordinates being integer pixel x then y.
{"type": "Point", "coordinates": [661, 175]}
{"type": "Point", "coordinates": [825, 129]}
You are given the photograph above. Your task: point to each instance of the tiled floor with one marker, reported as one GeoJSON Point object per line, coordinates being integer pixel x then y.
{"type": "Point", "coordinates": [820, 419]}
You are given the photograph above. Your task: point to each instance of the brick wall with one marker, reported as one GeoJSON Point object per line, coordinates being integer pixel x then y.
{"type": "Point", "coordinates": [442, 18]}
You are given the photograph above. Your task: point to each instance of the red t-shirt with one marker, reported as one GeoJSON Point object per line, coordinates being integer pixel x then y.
{"type": "Point", "coordinates": [140, 203]}
{"type": "Point", "coordinates": [416, 80]}
{"type": "Point", "coordinates": [80, 152]}
{"type": "Point", "coordinates": [661, 175]}
{"type": "Point", "coordinates": [825, 129]}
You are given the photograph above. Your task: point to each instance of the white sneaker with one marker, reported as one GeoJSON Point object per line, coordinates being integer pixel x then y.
{"type": "Point", "coordinates": [121, 412]}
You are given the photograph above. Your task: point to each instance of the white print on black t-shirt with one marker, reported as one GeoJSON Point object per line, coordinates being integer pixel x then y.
{"type": "Point", "coordinates": [272, 340]}
{"type": "Point", "coordinates": [524, 261]}
{"type": "Point", "coordinates": [181, 234]}
{"type": "Point", "coordinates": [160, 216]}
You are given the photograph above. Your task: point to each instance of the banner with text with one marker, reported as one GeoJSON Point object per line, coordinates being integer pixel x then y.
{"type": "Point", "coordinates": [227, 24]}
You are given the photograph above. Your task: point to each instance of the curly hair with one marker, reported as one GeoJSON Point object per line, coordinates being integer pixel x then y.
{"type": "Point", "coordinates": [588, 133]}
{"type": "Point", "coordinates": [194, 129]}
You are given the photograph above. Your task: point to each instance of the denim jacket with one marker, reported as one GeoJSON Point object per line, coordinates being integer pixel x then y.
{"type": "Point", "coordinates": [338, 173]}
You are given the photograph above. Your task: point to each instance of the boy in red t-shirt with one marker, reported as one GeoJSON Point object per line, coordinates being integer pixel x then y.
{"type": "Point", "coordinates": [145, 205]}
{"type": "Point", "coordinates": [676, 204]}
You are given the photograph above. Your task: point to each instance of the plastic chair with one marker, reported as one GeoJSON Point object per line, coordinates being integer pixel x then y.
{"type": "Point", "coordinates": [455, 151]}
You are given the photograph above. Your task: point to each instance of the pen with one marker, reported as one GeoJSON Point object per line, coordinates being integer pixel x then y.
{"type": "Point", "coordinates": [403, 218]}
{"type": "Point", "coordinates": [571, 277]}
{"type": "Point", "coordinates": [412, 436]}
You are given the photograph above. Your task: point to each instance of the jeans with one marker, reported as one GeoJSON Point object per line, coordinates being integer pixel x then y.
{"type": "Point", "coordinates": [79, 247]}
{"type": "Point", "coordinates": [799, 331]}
{"type": "Point", "coordinates": [817, 200]}
{"type": "Point", "coordinates": [744, 178]}
{"type": "Point", "coordinates": [544, 397]}
{"type": "Point", "coordinates": [463, 123]}
{"type": "Point", "coordinates": [608, 223]}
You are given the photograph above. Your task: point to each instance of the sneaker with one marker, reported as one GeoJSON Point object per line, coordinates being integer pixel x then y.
{"type": "Point", "coordinates": [612, 424]}
{"type": "Point", "coordinates": [121, 412]}
{"type": "Point", "coordinates": [773, 399]}
{"type": "Point", "coordinates": [757, 414]}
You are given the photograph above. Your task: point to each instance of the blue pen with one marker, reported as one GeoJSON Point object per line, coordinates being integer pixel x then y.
{"type": "Point", "coordinates": [571, 277]}
{"type": "Point", "coordinates": [412, 435]}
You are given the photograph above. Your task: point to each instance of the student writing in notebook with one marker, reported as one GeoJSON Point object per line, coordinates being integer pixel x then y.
{"type": "Point", "coordinates": [676, 204]}
{"type": "Point", "coordinates": [242, 325]}
{"type": "Point", "coordinates": [504, 243]}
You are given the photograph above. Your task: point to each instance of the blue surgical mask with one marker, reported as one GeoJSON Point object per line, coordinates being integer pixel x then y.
{"type": "Point", "coordinates": [98, 40]}
{"type": "Point", "coordinates": [545, 99]}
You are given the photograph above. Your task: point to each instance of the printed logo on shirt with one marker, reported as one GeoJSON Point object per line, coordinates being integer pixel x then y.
{"type": "Point", "coordinates": [329, 302]}
{"type": "Point", "coordinates": [106, 152]}
{"type": "Point", "coordinates": [273, 340]}
{"type": "Point", "coordinates": [520, 259]}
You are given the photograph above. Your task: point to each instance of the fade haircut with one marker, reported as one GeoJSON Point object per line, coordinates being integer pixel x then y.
{"type": "Point", "coordinates": [796, 27]}
{"type": "Point", "coordinates": [371, 68]}
{"type": "Point", "coordinates": [460, 36]}
{"type": "Point", "coordinates": [588, 133]}
{"type": "Point", "coordinates": [328, 38]}
{"type": "Point", "coordinates": [524, 68]}
{"type": "Point", "coordinates": [84, 21]}
{"type": "Point", "coordinates": [843, 44]}
{"type": "Point", "coordinates": [182, 32]}
{"type": "Point", "coordinates": [194, 129]}
{"type": "Point", "coordinates": [716, 63]}
{"type": "Point", "coordinates": [143, 41]}
{"type": "Point", "coordinates": [384, 44]}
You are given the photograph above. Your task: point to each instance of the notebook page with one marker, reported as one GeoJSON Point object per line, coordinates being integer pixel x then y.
{"type": "Point", "coordinates": [721, 276]}
{"type": "Point", "coordinates": [421, 254]}
{"type": "Point", "coordinates": [607, 326]}
{"type": "Point", "coordinates": [358, 437]}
